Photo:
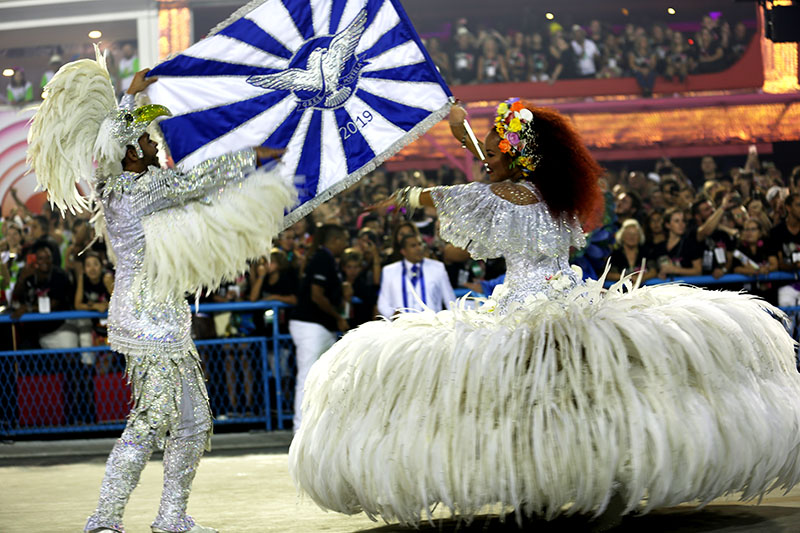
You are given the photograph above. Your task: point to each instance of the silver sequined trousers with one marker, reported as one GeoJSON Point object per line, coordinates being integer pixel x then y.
{"type": "Point", "coordinates": [170, 410]}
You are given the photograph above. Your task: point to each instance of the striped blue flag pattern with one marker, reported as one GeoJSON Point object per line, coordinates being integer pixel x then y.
{"type": "Point", "coordinates": [341, 84]}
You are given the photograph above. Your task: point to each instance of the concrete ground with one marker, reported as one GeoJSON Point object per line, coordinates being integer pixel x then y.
{"type": "Point", "coordinates": [244, 486]}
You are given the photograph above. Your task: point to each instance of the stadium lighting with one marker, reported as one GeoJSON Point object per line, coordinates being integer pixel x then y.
{"type": "Point", "coordinates": [95, 34]}
{"type": "Point", "coordinates": [549, 16]}
{"type": "Point", "coordinates": [671, 10]}
{"type": "Point", "coordinates": [8, 72]}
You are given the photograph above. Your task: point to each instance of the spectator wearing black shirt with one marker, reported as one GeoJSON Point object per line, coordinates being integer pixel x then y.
{"type": "Point", "coordinates": [516, 59]}
{"type": "Point", "coordinates": [628, 205]}
{"type": "Point", "coordinates": [42, 288]}
{"type": "Point", "coordinates": [320, 304]}
{"type": "Point", "coordinates": [677, 255]}
{"type": "Point", "coordinates": [785, 242]}
{"type": "Point", "coordinates": [369, 244]}
{"type": "Point", "coordinates": [439, 57]}
{"type": "Point", "coordinates": [678, 61]}
{"type": "Point", "coordinates": [612, 58]}
{"type": "Point", "coordinates": [491, 65]}
{"type": "Point", "coordinates": [358, 274]}
{"type": "Point", "coordinates": [274, 280]}
{"type": "Point", "coordinates": [463, 60]}
{"type": "Point", "coordinates": [629, 254]}
{"type": "Point", "coordinates": [40, 235]}
{"type": "Point", "coordinates": [670, 189]}
{"type": "Point", "coordinates": [708, 167]}
{"type": "Point", "coordinates": [708, 53]}
{"type": "Point", "coordinates": [754, 257]}
{"type": "Point", "coordinates": [642, 62]}
{"type": "Point", "coordinates": [654, 231]}
{"type": "Point", "coordinates": [597, 33]}
{"type": "Point", "coordinates": [660, 47]}
{"type": "Point", "coordinates": [740, 40]}
{"type": "Point", "coordinates": [93, 290]}
{"type": "Point", "coordinates": [756, 208]}
{"type": "Point", "coordinates": [714, 243]}
{"type": "Point", "coordinates": [538, 62]}
{"type": "Point", "coordinates": [563, 61]}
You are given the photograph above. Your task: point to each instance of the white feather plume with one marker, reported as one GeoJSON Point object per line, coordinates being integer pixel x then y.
{"type": "Point", "coordinates": [665, 394]}
{"type": "Point", "coordinates": [65, 128]}
{"type": "Point", "coordinates": [197, 245]}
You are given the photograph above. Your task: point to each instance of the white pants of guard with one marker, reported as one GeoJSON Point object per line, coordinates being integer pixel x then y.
{"type": "Point", "coordinates": [66, 336]}
{"type": "Point", "coordinates": [788, 296]}
{"type": "Point", "coordinates": [310, 340]}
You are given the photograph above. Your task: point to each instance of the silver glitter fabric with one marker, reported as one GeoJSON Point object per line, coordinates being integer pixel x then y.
{"type": "Point", "coordinates": [139, 324]}
{"type": "Point", "coordinates": [516, 226]}
{"type": "Point", "coordinates": [174, 390]}
{"type": "Point", "coordinates": [163, 366]}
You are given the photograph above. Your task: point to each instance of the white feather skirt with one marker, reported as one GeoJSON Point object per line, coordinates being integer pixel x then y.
{"type": "Point", "coordinates": [663, 394]}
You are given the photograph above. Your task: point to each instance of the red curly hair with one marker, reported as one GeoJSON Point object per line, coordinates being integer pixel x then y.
{"type": "Point", "coordinates": [567, 175]}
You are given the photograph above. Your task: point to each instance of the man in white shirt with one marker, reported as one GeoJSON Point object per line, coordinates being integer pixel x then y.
{"type": "Point", "coordinates": [586, 52]}
{"type": "Point", "coordinates": [414, 280]}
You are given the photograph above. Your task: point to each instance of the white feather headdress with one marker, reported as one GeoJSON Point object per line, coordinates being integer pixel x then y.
{"type": "Point", "coordinates": [64, 131]}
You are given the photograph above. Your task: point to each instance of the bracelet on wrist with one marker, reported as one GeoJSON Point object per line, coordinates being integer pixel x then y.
{"type": "Point", "coordinates": [409, 197]}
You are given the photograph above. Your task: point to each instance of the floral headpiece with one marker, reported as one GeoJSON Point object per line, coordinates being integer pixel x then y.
{"type": "Point", "coordinates": [514, 124]}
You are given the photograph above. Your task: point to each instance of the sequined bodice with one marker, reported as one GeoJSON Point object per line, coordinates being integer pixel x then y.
{"type": "Point", "coordinates": [136, 323]}
{"type": "Point", "coordinates": [534, 244]}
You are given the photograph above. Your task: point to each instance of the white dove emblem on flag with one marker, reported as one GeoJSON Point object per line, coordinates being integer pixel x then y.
{"type": "Point", "coordinates": [331, 69]}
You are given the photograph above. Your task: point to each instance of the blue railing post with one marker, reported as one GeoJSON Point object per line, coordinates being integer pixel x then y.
{"type": "Point", "coordinates": [265, 372]}
{"type": "Point", "coordinates": [276, 358]}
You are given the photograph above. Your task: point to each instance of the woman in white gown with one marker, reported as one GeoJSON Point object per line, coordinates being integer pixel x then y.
{"type": "Point", "coordinates": [554, 395]}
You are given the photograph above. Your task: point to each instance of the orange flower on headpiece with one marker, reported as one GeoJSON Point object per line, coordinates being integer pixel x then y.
{"type": "Point", "coordinates": [514, 124]}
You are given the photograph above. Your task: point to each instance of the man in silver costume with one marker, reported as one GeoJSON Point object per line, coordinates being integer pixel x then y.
{"type": "Point", "coordinates": [170, 408]}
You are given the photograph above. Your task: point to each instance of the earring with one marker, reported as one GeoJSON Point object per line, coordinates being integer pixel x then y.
{"type": "Point", "coordinates": [139, 151]}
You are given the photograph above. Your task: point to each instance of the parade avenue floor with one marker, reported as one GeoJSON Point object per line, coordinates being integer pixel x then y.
{"type": "Point", "coordinates": [243, 485]}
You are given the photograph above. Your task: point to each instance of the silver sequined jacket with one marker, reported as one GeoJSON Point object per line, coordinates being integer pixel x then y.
{"type": "Point", "coordinates": [533, 243]}
{"type": "Point", "coordinates": [138, 324]}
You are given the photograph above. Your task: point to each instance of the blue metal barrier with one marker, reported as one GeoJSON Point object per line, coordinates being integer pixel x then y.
{"type": "Point", "coordinates": [724, 280]}
{"type": "Point", "coordinates": [85, 389]}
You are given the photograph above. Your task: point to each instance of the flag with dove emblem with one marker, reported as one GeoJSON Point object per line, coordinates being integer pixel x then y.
{"type": "Point", "coordinates": [341, 84]}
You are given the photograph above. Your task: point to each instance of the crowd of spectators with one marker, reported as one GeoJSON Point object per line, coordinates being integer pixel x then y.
{"type": "Point", "coordinates": [679, 223]}
{"type": "Point", "coordinates": [671, 222]}
{"type": "Point", "coordinates": [744, 221]}
{"type": "Point", "coordinates": [548, 54]}
{"type": "Point", "coordinates": [593, 51]}
{"type": "Point", "coordinates": [122, 61]}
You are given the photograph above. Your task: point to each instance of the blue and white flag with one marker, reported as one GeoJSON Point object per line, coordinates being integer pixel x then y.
{"type": "Point", "coordinates": [341, 84]}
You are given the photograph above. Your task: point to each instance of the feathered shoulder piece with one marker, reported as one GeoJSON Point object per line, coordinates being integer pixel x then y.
{"type": "Point", "coordinates": [63, 132]}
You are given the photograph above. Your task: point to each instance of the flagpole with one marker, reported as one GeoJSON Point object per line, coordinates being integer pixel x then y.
{"type": "Point", "coordinates": [470, 133]}
{"type": "Point", "coordinates": [474, 140]}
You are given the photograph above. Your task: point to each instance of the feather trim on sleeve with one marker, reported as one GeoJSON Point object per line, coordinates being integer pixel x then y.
{"type": "Point", "coordinates": [197, 245]}
{"type": "Point", "coordinates": [474, 218]}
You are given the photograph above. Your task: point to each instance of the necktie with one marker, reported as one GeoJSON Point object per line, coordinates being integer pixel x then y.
{"type": "Point", "coordinates": [414, 274]}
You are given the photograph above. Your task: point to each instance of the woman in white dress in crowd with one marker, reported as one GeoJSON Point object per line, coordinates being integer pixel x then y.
{"type": "Point", "coordinates": [555, 395]}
